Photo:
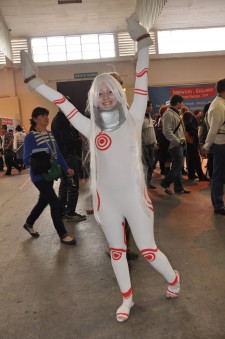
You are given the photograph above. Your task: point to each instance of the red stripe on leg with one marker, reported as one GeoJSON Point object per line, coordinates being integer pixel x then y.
{"type": "Point", "coordinates": [127, 294]}
{"type": "Point", "coordinates": [174, 282]}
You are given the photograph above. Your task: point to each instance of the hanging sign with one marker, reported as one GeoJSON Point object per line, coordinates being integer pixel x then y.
{"type": "Point", "coordinates": [7, 121]}
{"type": "Point", "coordinates": [85, 75]}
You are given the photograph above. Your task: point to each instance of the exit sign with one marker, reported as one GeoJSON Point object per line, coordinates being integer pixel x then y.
{"type": "Point", "coordinates": [85, 75]}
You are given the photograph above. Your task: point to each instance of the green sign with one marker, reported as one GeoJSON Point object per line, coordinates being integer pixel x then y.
{"type": "Point", "coordinates": [85, 75]}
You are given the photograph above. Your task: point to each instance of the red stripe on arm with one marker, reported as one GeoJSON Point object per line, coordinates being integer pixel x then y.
{"type": "Point", "coordinates": [142, 73]}
{"type": "Point", "coordinates": [59, 101]}
{"type": "Point", "coordinates": [72, 113]}
{"type": "Point", "coordinates": [140, 91]}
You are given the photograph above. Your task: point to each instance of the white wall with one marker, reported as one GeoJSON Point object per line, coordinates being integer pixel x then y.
{"type": "Point", "coordinates": [162, 72]}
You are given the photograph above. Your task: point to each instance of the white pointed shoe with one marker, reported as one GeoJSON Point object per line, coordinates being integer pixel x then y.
{"type": "Point", "coordinates": [123, 312]}
{"type": "Point", "coordinates": [174, 288]}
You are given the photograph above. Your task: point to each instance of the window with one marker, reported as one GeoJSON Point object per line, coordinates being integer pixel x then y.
{"type": "Point", "coordinates": [83, 47]}
{"type": "Point", "coordinates": [191, 40]}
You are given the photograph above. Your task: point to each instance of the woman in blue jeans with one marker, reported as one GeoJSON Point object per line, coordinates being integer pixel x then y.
{"type": "Point", "coordinates": [39, 139]}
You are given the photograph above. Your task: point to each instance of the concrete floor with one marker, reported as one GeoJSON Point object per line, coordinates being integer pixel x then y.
{"type": "Point", "coordinates": [53, 291]}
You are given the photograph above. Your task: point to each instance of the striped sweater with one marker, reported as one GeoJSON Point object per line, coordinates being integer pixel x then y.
{"type": "Point", "coordinates": [36, 141]}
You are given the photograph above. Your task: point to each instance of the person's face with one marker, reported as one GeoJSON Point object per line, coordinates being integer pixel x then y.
{"type": "Point", "coordinates": [179, 105]}
{"type": "Point", "coordinates": [106, 99]}
{"type": "Point", "coordinates": [3, 131]}
{"type": "Point", "coordinates": [42, 120]}
{"type": "Point", "coordinates": [149, 110]}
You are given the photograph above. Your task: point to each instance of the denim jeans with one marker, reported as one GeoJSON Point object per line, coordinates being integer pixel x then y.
{"type": "Point", "coordinates": [69, 188]}
{"type": "Point", "coordinates": [47, 197]}
{"type": "Point", "coordinates": [218, 176]}
{"type": "Point", "coordinates": [174, 175]}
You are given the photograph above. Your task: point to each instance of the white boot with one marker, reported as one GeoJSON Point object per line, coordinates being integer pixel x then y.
{"type": "Point", "coordinates": [122, 314]}
{"type": "Point", "coordinates": [30, 71]}
{"type": "Point", "coordinates": [174, 288]}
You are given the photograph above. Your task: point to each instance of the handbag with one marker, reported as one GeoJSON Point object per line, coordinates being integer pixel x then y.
{"type": "Point", "coordinates": [40, 162]}
{"type": "Point", "coordinates": [190, 139]}
{"type": "Point", "coordinates": [54, 173]}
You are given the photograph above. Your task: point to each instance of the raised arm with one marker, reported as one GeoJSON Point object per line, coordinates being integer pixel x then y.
{"type": "Point", "coordinates": [139, 33]}
{"type": "Point", "coordinates": [80, 122]}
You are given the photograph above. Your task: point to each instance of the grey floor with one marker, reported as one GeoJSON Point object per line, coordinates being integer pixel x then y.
{"type": "Point", "coordinates": [50, 290]}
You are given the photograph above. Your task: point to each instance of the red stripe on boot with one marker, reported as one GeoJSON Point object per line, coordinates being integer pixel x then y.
{"type": "Point", "coordinates": [127, 294]}
{"type": "Point", "coordinates": [175, 281]}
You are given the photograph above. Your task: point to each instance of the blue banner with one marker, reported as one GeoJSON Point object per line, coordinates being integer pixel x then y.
{"type": "Point", "coordinates": [195, 96]}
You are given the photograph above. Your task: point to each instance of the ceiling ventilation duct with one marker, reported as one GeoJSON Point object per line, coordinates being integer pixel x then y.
{"type": "Point", "coordinates": [65, 2]}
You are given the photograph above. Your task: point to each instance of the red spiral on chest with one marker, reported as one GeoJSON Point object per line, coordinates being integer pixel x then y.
{"type": "Point", "coordinates": [103, 141]}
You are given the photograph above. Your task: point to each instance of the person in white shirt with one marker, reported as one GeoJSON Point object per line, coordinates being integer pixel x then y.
{"type": "Point", "coordinates": [18, 141]}
{"type": "Point", "coordinates": [215, 143]}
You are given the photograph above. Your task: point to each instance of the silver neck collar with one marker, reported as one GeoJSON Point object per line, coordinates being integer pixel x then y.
{"type": "Point", "coordinates": [111, 119]}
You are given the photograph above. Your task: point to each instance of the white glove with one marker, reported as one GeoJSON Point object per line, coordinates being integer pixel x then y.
{"type": "Point", "coordinates": [137, 31]}
{"type": "Point", "coordinates": [30, 71]}
{"type": "Point", "coordinates": [134, 28]}
{"type": "Point", "coordinates": [28, 66]}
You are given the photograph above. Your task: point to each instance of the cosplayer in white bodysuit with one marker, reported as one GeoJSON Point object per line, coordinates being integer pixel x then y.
{"type": "Point", "coordinates": [117, 175]}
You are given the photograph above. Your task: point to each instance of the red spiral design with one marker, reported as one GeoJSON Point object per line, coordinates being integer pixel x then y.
{"type": "Point", "coordinates": [149, 254]}
{"type": "Point", "coordinates": [103, 141]}
{"type": "Point", "coordinates": [116, 253]}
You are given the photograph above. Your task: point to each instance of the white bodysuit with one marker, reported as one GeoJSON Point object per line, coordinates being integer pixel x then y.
{"type": "Point", "coordinates": [117, 185]}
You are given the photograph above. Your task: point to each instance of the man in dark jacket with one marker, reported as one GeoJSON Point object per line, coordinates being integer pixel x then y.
{"type": "Point", "coordinates": [68, 140]}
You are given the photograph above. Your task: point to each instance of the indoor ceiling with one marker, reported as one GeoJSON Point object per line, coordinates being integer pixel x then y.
{"type": "Point", "coordinates": [32, 18]}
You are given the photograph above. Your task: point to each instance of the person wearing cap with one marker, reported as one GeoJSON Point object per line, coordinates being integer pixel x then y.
{"type": "Point", "coordinates": [39, 139]}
